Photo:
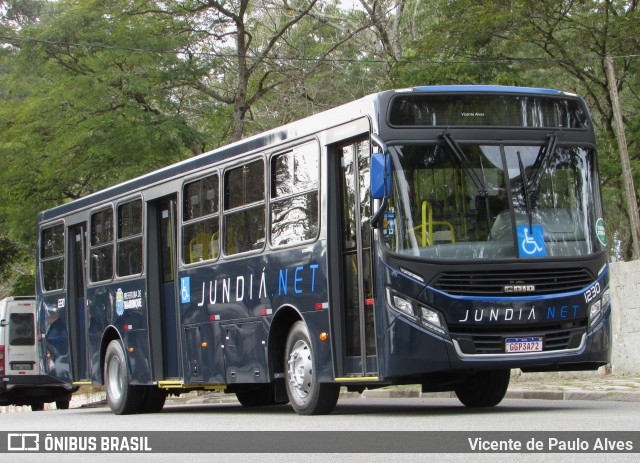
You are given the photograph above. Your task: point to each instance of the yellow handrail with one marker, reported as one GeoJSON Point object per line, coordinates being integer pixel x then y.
{"type": "Point", "coordinates": [427, 220]}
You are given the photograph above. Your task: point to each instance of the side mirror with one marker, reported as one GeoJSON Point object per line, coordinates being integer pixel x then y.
{"type": "Point", "coordinates": [3, 322]}
{"type": "Point", "coordinates": [380, 176]}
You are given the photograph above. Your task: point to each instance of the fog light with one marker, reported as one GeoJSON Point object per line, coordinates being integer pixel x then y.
{"type": "Point", "coordinates": [431, 318]}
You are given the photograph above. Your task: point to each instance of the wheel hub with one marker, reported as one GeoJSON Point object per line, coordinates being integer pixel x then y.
{"type": "Point", "coordinates": [114, 380]}
{"type": "Point", "coordinates": [300, 368]}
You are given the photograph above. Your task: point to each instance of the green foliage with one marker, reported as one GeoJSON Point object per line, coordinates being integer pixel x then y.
{"type": "Point", "coordinates": [76, 117]}
{"type": "Point", "coordinates": [96, 92]}
{"type": "Point", "coordinates": [16, 270]}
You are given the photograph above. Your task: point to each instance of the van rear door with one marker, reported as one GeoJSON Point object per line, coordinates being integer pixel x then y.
{"type": "Point", "coordinates": [21, 349]}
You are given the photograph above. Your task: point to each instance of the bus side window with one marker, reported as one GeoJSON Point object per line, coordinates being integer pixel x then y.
{"type": "Point", "coordinates": [244, 208]}
{"type": "Point", "coordinates": [200, 219]}
{"type": "Point", "coordinates": [294, 195]}
{"type": "Point", "coordinates": [129, 246]}
{"type": "Point", "coordinates": [101, 246]}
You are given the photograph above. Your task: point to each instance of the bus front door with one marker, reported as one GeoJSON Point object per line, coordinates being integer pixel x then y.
{"type": "Point", "coordinates": [358, 343]}
{"type": "Point", "coordinates": [162, 269]}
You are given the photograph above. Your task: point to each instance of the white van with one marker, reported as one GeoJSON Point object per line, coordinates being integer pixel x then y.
{"type": "Point", "coordinates": [22, 379]}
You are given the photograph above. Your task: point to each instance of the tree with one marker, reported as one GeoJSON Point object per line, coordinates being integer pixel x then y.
{"type": "Point", "coordinates": [77, 117]}
{"type": "Point", "coordinates": [246, 50]}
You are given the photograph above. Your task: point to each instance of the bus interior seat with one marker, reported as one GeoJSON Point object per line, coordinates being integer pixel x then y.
{"type": "Point", "coordinates": [214, 245]}
{"type": "Point", "coordinates": [199, 248]}
{"type": "Point", "coordinates": [443, 236]}
{"type": "Point", "coordinates": [559, 225]}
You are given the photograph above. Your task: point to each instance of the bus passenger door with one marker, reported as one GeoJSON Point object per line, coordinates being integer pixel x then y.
{"type": "Point", "coordinates": [78, 323]}
{"type": "Point", "coordinates": [161, 271]}
{"type": "Point", "coordinates": [351, 235]}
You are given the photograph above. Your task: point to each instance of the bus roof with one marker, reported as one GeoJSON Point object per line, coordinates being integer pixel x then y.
{"type": "Point", "coordinates": [488, 89]}
{"type": "Point", "coordinates": [298, 129]}
{"type": "Point", "coordinates": [292, 131]}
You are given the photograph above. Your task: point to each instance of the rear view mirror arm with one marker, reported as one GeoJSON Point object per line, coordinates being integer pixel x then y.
{"type": "Point", "coordinates": [375, 219]}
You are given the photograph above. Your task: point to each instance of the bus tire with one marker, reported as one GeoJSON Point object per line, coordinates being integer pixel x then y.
{"type": "Point", "coordinates": [153, 399]}
{"type": "Point", "coordinates": [122, 397]}
{"type": "Point", "coordinates": [62, 404]}
{"type": "Point", "coordinates": [484, 388]}
{"type": "Point", "coordinates": [306, 395]}
{"type": "Point", "coordinates": [37, 407]}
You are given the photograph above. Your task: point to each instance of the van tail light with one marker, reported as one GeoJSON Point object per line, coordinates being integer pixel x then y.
{"type": "Point", "coordinates": [1, 360]}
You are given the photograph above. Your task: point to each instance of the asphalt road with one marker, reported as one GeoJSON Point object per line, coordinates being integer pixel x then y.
{"type": "Point", "coordinates": [399, 420]}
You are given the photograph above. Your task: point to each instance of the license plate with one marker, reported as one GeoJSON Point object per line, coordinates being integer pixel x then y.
{"type": "Point", "coordinates": [533, 344]}
{"type": "Point", "coordinates": [22, 366]}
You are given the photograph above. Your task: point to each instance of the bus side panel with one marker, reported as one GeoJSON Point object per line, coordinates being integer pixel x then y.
{"type": "Point", "coordinates": [411, 351]}
{"type": "Point", "coordinates": [123, 306]}
{"type": "Point", "coordinates": [245, 352]}
{"type": "Point", "coordinates": [54, 326]}
{"type": "Point", "coordinates": [318, 322]}
{"type": "Point", "coordinates": [243, 295]}
{"type": "Point", "coordinates": [99, 318]}
{"type": "Point", "coordinates": [131, 320]}
{"type": "Point", "coordinates": [204, 361]}
{"type": "Point", "coordinates": [297, 278]}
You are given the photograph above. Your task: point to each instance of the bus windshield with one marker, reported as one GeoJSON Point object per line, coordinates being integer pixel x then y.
{"type": "Point", "coordinates": [452, 201]}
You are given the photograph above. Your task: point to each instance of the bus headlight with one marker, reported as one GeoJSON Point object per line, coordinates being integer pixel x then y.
{"type": "Point", "coordinates": [400, 303]}
{"type": "Point", "coordinates": [595, 311]}
{"type": "Point", "coordinates": [428, 317]}
{"type": "Point", "coordinates": [597, 308]}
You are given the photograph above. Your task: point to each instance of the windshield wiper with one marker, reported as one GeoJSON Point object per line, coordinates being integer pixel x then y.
{"type": "Point", "coordinates": [542, 162]}
{"type": "Point", "coordinates": [525, 191]}
{"type": "Point", "coordinates": [463, 161]}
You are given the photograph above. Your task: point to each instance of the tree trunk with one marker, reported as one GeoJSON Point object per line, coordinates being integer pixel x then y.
{"type": "Point", "coordinates": [618, 126]}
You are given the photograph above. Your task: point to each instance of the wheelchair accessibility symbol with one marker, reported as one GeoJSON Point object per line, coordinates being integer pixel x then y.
{"type": "Point", "coordinates": [531, 241]}
{"type": "Point", "coordinates": [185, 290]}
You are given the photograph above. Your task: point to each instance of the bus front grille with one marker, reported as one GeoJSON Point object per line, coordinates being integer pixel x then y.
{"type": "Point", "coordinates": [554, 339]}
{"type": "Point", "coordinates": [493, 283]}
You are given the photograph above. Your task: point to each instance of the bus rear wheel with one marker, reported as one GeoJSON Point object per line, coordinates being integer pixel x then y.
{"type": "Point", "coordinates": [153, 399]}
{"type": "Point", "coordinates": [306, 395]}
{"type": "Point", "coordinates": [37, 406]}
{"type": "Point", "coordinates": [484, 388]}
{"type": "Point", "coordinates": [123, 398]}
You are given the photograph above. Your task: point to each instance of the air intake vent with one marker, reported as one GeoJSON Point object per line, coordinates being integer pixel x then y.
{"type": "Point", "coordinates": [493, 283]}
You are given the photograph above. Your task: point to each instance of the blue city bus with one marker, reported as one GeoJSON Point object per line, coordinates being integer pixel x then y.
{"type": "Point", "coordinates": [439, 236]}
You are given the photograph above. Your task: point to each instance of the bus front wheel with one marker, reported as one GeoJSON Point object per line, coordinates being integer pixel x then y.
{"type": "Point", "coordinates": [123, 398]}
{"type": "Point", "coordinates": [62, 404]}
{"type": "Point", "coordinates": [306, 395]}
{"type": "Point", "coordinates": [484, 388]}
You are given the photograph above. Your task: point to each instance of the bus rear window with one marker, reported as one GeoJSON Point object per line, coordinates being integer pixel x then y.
{"type": "Point", "coordinates": [487, 110]}
{"type": "Point", "coordinates": [21, 329]}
